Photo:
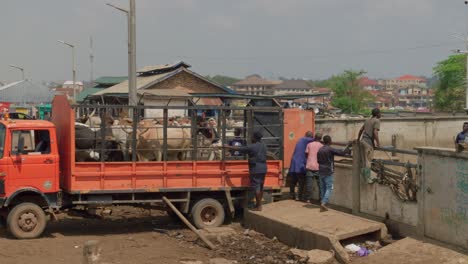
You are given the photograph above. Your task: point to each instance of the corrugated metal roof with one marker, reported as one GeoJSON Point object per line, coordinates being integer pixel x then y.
{"type": "Point", "coordinates": [81, 96]}
{"type": "Point", "coordinates": [24, 92]}
{"type": "Point", "coordinates": [293, 84]}
{"type": "Point", "coordinates": [163, 67]}
{"type": "Point", "coordinates": [144, 82]}
{"type": "Point", "coordinates": [256, 80]}
{"type": "Point", "coordinates": [110, 80]}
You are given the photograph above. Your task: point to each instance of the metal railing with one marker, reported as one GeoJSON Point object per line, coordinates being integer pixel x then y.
{"type": "Point", "coordinates": [164, 133]}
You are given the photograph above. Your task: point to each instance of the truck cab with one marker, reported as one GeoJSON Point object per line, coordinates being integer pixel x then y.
{"type": "Point", "coordinates": [29, 173]}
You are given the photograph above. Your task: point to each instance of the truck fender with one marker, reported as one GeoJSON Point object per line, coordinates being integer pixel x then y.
{"type": "Point", "coordinates": [24, 190]}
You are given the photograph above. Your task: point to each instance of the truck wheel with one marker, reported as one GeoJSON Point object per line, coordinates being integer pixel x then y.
{"type": "Point", "coordinates": [208, 213]}
{"type": "Point", "coordinates": [26, 220]}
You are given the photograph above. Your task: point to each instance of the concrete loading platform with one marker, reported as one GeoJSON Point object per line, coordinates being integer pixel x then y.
{"type": "Point", "coordinates": [303, 226]}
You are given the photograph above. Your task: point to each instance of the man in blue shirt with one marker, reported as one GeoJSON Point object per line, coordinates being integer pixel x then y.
{"type": "Point", "coordinates": [326, 161]}
{"type": "Point", "coordinates": [237, 141]}
{"type": "Point", "coordinates": [462, 137]}
{"type": "Point", "coordinates": [297, 169]}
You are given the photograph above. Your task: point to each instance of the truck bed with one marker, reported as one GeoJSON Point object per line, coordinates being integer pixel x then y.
{"type": "Point", "coordinates": [86, 177]}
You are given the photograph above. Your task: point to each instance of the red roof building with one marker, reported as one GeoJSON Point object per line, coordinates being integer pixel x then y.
{"type": "Point", "coordinates": [411, 78]}
{"type": "Point", "coordinates": [368, 84]}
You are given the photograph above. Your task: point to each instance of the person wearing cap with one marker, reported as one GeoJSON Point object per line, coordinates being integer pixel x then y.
{"type": "Point", "coordinates": [257, 165]}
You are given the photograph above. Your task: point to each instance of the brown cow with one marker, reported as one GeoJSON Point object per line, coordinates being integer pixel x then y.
{"type": "Point", "coordinates": [150, 140]}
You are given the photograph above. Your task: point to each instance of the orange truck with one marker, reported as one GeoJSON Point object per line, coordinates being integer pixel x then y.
{"type": "Point", "coordinates": [41, 177]}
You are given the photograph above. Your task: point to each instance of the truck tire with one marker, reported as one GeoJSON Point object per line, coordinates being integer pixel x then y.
{"type": "Point", "coordinates": [26, 220]}
{"type": "Point", "coordinates": [208, 212]}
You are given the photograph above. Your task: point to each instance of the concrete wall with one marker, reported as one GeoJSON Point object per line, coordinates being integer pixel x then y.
{"type": "Point", "coordinates": [441, 212]}
{"type": "Point", "coordinates": [375, 199]}
{"type": "Point", "coordinates": [412, 131]}
{"type": "Point", "coordinates": [443, 197]}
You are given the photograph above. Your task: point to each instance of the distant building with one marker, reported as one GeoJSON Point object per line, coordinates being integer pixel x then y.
{"type": "Point", "coordinates": [292, 87]}
{"type": "Point", "coordinates": [166, 85]}
{"type": "Point", "coordinates": [382, 99]}
{"type": "Point", "coordinates": [414, 97]}
{"type": "Point", "coordinates": [368, 84]}
{"type": "Point", "coordinates": [255, 85]}
{"type": "Point", "coordinates": [69, 85]}
{"type": "Point", "coordinates": [404, 81]}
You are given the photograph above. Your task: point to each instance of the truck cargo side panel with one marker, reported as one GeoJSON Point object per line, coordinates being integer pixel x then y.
{"type": "Point", "coordinates": [151, 176]}
{"type": "Point", "coordinates": [64, 120]}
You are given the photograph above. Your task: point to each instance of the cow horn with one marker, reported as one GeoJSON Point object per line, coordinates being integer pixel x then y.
{"type": "Point", "coordinates": [92, 113]}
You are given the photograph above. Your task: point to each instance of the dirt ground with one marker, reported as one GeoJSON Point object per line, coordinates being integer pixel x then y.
{"type": "Point", "coordinates": [133, 235]}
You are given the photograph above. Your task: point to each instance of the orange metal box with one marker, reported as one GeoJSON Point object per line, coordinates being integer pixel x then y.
{"type": "Point", "coordinates": [296, 123]}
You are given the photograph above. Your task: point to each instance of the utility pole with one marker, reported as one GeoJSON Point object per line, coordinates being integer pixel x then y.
{"type": "Point", "coordinates": [73, 67]}
{"type": "Point", "coordinates": [131, 21]}
{"type": "Point", "coordinates": [132, 49]}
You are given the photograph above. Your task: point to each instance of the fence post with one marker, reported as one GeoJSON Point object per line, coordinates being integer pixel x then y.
{"type": "Point", "coordinates": [356, 178]}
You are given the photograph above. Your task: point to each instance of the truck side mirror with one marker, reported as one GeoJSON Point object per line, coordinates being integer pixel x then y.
{"type": "Point", "coordinates": [20, 145]}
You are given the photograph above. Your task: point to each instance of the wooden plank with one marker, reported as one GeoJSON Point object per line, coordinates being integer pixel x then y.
{"type": "Point", "coordinates": [188, 224]}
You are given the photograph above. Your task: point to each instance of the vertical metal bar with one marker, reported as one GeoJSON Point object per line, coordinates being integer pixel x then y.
{"type": "Point", "coordinates": [281, 134]}
{"type": "Point", "coordinates": [134, 111]}
{"type": "Point", "coordinates": [223, 134]}
{"type": "Point", "coordinates": [194, 128]}
{"type": "Point", "coordinates": [165, 123]}
{"type": "Point", "coordinates": [356, 179]}
{"type": "Point", "coordinates": [103, 136]}
{"type": "Point", "coordinates": [249, 125]}
{"type": "Point", "coordinates": [244, 130]}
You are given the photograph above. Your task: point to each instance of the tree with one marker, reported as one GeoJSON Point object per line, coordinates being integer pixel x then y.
{"type": "Point", "coordinates": [450, 91]}
{"type": "Point", "coordinates": [223, 80]}
{"type": "Point", "coordinates": [348, 95]}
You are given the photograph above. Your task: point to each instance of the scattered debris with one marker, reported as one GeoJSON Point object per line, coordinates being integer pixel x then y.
{"type": "Point", "coordinates": [352, 248]}
{"type": "Point", "coordinates": [362, 252]}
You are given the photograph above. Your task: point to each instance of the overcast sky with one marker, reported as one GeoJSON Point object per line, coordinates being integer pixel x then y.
{"type": "Point", "coordinates": [291, 38]}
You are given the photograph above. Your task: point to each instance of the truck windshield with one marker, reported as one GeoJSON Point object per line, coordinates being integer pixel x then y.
{"type": "Point", "coordinates": [2, 139]}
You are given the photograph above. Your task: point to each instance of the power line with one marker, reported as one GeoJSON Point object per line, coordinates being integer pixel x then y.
{"type": "Point", "coordinates": [324, 56]}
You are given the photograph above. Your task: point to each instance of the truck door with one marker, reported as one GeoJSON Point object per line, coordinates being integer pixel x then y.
{"type": "Point", "coordinates": [33, 162]}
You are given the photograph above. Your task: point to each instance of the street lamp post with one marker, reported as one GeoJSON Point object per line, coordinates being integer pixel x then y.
{"type": "Point", "coordinates": [131, 21]}
{"type": "Point", "coordinates": [73, 66]}
{"type": "Point", "coordinates": [19, 68]}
